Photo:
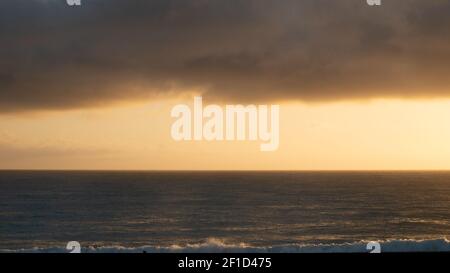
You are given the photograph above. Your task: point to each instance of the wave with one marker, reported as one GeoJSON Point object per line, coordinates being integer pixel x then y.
{"type": "Point", "coordinates": [214, 245]}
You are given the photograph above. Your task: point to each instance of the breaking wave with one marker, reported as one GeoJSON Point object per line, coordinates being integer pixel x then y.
{"type": "Point", "coordinates": [214, 245]}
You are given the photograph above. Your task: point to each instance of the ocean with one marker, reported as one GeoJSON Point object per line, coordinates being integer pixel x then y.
{"type": "Point", "coordinates": [106, 211]}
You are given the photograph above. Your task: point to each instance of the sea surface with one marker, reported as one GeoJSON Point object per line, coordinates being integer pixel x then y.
{"type": "Point", "coordinates": [40, 211]}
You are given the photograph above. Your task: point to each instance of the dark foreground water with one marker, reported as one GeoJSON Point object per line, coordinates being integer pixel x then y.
{"type": "Point", "coordinates": [224, 211]}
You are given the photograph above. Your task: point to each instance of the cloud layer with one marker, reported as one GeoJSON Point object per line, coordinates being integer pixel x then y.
{"type": "Point", "coordinates": [53, 56]}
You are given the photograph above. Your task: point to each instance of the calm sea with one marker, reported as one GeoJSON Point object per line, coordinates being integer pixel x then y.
{"type": "Point", "coordinates": [224, 211]}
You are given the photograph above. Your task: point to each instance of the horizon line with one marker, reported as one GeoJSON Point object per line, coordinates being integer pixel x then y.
{"type": "Point", "coordinates": [226, 170]}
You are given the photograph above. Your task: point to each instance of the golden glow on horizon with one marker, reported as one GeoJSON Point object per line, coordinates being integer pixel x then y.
{"type": "Point", "coordinates": [382, 134]}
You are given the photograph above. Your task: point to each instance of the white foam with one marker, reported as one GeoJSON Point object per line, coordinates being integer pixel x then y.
{"type": "Point", "coordinates": [214, 245]}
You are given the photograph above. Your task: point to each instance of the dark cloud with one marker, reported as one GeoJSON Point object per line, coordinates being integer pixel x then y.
{"type": "Point", "coordinates": [55, 56]}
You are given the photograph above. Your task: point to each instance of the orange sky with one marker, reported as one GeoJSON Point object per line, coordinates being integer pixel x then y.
{"type": "Point", "coordinates": [378, 134]}
{"type": "Point", "coordinates": [372, 81]}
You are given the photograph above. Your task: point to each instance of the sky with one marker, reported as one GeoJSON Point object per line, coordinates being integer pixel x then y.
{"type": "Point", "coordinates": [91, 87]}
